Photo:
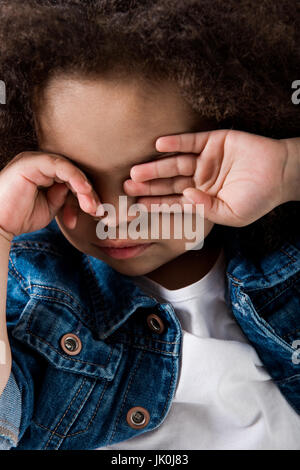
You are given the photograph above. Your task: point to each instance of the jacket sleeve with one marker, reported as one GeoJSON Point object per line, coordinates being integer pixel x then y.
{"type": "Point", "coordinates": [10, 414]}
{"type": "Point", "coordinates": [16, 400]}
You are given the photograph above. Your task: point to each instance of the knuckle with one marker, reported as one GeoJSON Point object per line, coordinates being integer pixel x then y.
{"type": "Point", "coordinates": [177, 184]}
{"type": "Point", "coordinates": [48, 158]}
{"type": "Point", "coordinates": [64, 165]}
{"type": "Point", "coordinates": [57, 159]}
{"type": "Point", "coordinates": [194, 144]}
{"type": "Point", "coordinates": [19, 156]}
{"type": "Point", "coordinates": [180, 142]}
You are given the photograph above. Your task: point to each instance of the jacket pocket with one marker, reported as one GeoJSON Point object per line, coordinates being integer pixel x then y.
{"type": "Point", "coordinates": [68, 393]}
{"type": "Point", "coordinates": [42, 327]}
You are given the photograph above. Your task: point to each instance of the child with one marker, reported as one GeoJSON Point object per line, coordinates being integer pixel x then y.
{"type": "Point", "coordinates": [151, 346]}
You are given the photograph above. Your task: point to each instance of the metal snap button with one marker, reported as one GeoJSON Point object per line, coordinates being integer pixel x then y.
{"type": "Point", "coordinates": [138, 417]}
{"type": "Point", "coordinates": [155, 323]}
{"type": "Point", "coordinates": [71, 344]}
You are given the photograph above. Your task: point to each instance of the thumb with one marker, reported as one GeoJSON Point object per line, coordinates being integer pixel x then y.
{"type": "Point", "coordinates": [215, 209]}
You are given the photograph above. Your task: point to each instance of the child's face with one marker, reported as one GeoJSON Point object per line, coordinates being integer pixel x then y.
{"type": "Point", "coordinates": [105, 127]}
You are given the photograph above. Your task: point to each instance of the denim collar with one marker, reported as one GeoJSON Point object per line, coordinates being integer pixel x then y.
{"type": "Point", "coordinates": [267, 272]}
{"type": "Point", "coordinates": [115, 297]}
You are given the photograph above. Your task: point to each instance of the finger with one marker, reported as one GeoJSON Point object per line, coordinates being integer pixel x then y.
{"type": "Point", "coordinates": [70, 212]}
{"type": "Point", "coordinates": [215, 209]}
{"type": "Point", "coordinates": [86, 202]}
{"type": "Point", "coordinates": [158, 187]}
{"type": "Point", "coordinates": [167, 167]}
{"type": "Point", "coordinates": [56, 198]}
{"type": "Point", "coordinates": [164, 203]}
{"type": "Point", "coordinates": [188, 143]}
{"type": "Point", "coordinates": [53, 168]}
{"type": "Point", "coordinates": [60, 198]}
{"type": "Point", "coordinates": [89, 202]}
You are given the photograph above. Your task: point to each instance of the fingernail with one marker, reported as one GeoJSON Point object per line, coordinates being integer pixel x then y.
{"type": "Point", "coordinates": [158, 142]}
{"type": "Point", "coordinates": [188, 198]}
{"type": "Point", "coordinates": [100, 211]}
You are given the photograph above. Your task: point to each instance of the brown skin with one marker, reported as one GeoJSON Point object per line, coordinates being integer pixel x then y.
{"type": "Point", "coordinates": [230, 63]}
{"type": "Point", "coordinates": [105, 127]}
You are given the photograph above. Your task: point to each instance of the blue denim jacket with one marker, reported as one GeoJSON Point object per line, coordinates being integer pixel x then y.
{"type": "Point", "coordinates": [58, 400]}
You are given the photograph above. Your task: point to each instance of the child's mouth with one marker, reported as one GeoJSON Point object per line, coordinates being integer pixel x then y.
{"type": "Point", "coordinates": [126, 252]}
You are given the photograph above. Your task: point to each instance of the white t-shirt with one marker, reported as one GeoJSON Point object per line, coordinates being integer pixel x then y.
{"type": "Point", "coordinates": [225, 399]}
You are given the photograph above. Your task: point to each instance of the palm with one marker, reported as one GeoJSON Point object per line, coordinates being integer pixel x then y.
{"type": "Point", "coordinates": [245, 175]}
{"type": "Point", "coordinates": [24, 217]}
{"type": "Point", "coordinates": [236, 175]}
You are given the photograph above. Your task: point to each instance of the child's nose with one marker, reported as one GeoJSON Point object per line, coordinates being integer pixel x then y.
{"type": "Point", "coordinates": [117, 209]}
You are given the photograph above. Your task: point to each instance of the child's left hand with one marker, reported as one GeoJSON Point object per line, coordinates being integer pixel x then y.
{"type": "Point", "coordinates": [238, 176]}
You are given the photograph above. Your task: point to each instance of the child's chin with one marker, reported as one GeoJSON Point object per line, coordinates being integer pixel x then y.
{"type": "Point", "coordinates": [134, 267]}
{"type": "Point", "coordinates": [138, 266]}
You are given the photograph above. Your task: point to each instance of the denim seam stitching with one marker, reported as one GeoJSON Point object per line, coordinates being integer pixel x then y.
{"type": "Point", "coordinates": [79, 409]}
{"type": "Point", "coordinates": [54, 289]}
{"type": "Point", "coordinates": [54, 430]}
{"type": "Point", "coordinates": [124, 399]}
{"type": "Point", "coordinates": [47, 429]}
{"type": "Point", "coordinates": [88, 425]}
{"type": "Point", "coordinates": [288, 379]}
{"type": "Point", "coordinates": [287, 254]}
{"type": "Point", "coordinates": [277, 270]}
{"type": "Point", "coordinates": [20, 246]}
{"type": "Point", "coordinates": [53, 299]}
{"type": "Point", "coordinates": [15, 273]}
{"type": "Point", "coordinates": [88, 265]}
{"type": "Point", "coordinates": [156, 340]}
{"type": "Point", "coordinates": [277, 295]}
{"type": "Point", "coordinates": [63, 302]}
{"type": "Point", "coordinates": [292, 276]}
{"type": "Point", "coordinates": [291, 332]}
{"type": "Point", "coordinates": [94, 414]}
{"type": "Point", "coordinates": [68, 358]}
{"type": "Point", "coordinates": [278, 339]}
{"type": "Point", "coordinates": [171, 382]}
{"type": "Point", "coordinates": [145, 348]}
{"type": "Point", "coordinates": [293, 260]}
{"type": "Point", "coordinates": [233, 277]}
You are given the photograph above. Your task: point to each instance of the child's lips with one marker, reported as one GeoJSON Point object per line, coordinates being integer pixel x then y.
{"type": "Point", "coordinates": [125, 252]}
{"type": "Point", "coordinates": [118, 244]}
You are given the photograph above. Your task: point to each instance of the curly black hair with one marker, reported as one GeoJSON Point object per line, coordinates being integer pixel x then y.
{"type": "Point", "coordinates": [233, 61]}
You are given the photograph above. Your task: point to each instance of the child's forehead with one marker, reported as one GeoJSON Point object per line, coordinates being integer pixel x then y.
{"type": "Point", "coordinates": [126, 96]}
{"type": "Point", "coordinates": [108, 107]}
{"type": "Point", "coordinates": [92, 118]}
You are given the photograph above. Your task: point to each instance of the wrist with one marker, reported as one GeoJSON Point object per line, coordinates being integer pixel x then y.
{"type": "Point", "coordinates": [291, 170]}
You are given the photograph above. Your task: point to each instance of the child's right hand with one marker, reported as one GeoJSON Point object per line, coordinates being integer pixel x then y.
{"type": "Point", "coordinates": [34, 186]}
